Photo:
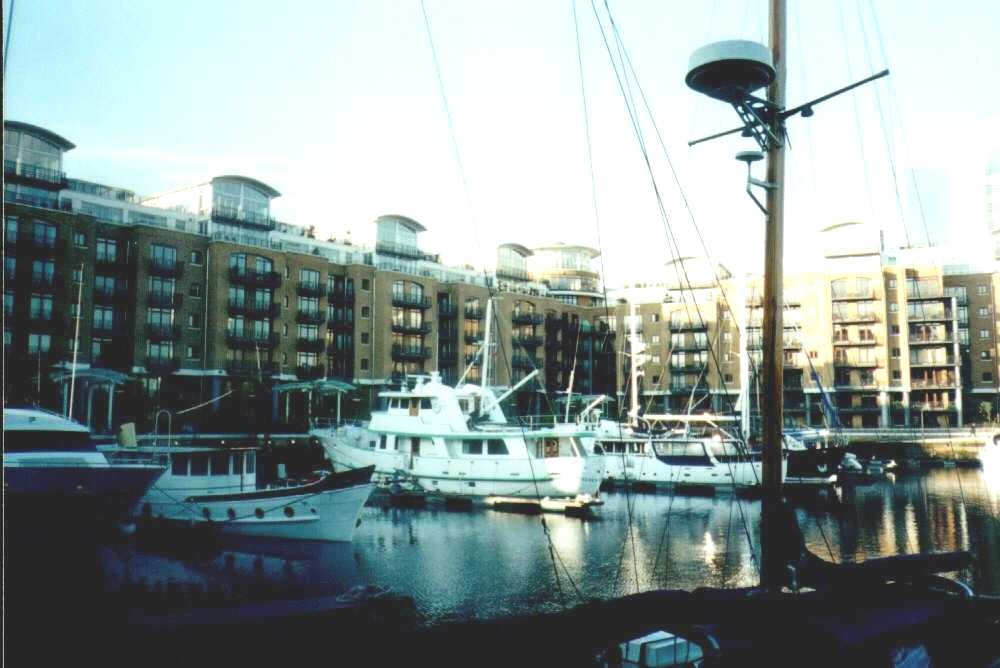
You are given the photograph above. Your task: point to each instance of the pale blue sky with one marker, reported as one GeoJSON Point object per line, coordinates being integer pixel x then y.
{"type": "Point", "coordinates": [336, 105]}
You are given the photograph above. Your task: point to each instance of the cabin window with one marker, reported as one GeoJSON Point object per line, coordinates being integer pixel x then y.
{"type": "Point", "coordinates": [425, 403]}
{"type": "Point", "coordinates": [724, 449]}
{"type": "Point", "coordinates": [371, 444]}
{"type": "Point", "coordinates": [382, 440]}
{"type": "Point", "coordinates": [692, 449]}
{"type": "Point", "coordinates": [598, 450]}
{"type": "Point", "coordinates": [635, 448]}
{"type": "Point", "coordinates": [496, 446]}
{"type": "Point", "coordinates": [220, 463]}
{"type": "Point", "coordinates": [251, 462]}
{"type": "Point", "coordinates": [179, 465]}
{"type": "Point", "coordinates": [199, 465]}
{"type": "Point", "coordinates": [472, 447]}
{"type": "Point", "coordinates": [238, 463]}
{"type": "Point", "coordinates": [552, 447]}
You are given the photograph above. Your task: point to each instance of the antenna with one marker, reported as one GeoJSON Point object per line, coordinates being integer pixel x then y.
{"type": "Point", "coordinates": [751, 157]}
{"type": "Point", "coordinates": [731, 71]}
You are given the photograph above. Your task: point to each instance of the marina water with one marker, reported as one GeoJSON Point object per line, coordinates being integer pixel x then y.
{"type": "Point", "coordinates": [485, 563]}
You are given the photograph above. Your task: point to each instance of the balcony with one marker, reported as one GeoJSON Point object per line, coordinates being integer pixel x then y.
{"type": "Point", "coordinates": [855, 317]}
{"type": "Point", "coordinates": [855, 384]}
{"type": "Point", "coordinates": [340, 295]}
{"type": "Point", "coordinates": [310, 317]}
{"type": "Point", "coordinates": [401, 353]}
{"type": "Point", "coordinates": [157, 332]}
{"type": "Point", "coordinates": [410, 328]}
{"type": "Point", "coordinates": [112, 264]}
{"type": "Point", "coordinates": [447, 356]}
{"type": "Point", "coordinates": [102, 296]}
{"type": "Point", "coordinates": [315, 289]}
{"type": "Point", "coordinates": [946, 361]}
{"type": "Point", "coordinates": [447, 334]}
{"type": "Point", "coordinates": [473, 338]}
{"type": "Point", "coordinates": [686, 368]}
{"type": "Point", "coordinates": [447, 310]}
{"type": "Point", "coordinates": [250, 368]}
{"type": "Point", "coordinates": [527, 318]}
{"type": "Point", "coordinates": [310, 345]}
{"type": "Point", "coordinates": [860, 408]}
{"type": "Point", "coordinates": [929, 315]}
{"type": "Point", "coordinates": [930, 340]}
{"type": "Point", "coordinates": [340, 324]}
{"type": "Point", "coordinates": [853, 295]}
{"type": "Point", "coordinates": [512, 274]}
{"type": "Point", "coordinates": [161, 366]}
{"type": "Point", "coordinates": [474, 313]}
{"type": "Point", "coordinates": [53, 202]}
{"type": "Point", "coordinates": [33, 174]}
{"type": "Point", "coordinates": [401, 250]}
{"type": "Point", "coordinates": [161, 267]}
{"type": "Point", "coordinates": [310, 371]}
{"type": "Point", "coordinates": [253, 310]}
{"type": "Point", "coordinates": [44, 321]}
{"type": "Point", "coordinates": [250, 341]}
{"type": "Point", "coordinates": [687, 326]}
{"type": "Point", "coordinates": [923, 406]}
{"type": "Point", "coordinates": [528, 340]}
{"type": "Point", "coordinates": [855, 342]}
{"type": "Point", "coordinates": [43, 283]}
{"type": "Point", "coordinates": [45, 246]}
{"type": "Point", "coordinates": [254, 278]}
{"type": "Point", "coordinates": [164, 299]}
{"type": "Point", "coordinates": [852, 362]}
{"type": "Point", "coordinates": [231, 215]}
{"type": "Point", "coordinates": [410, 301]}
{"type": "Point", "coordinates": [340, 349]}
{"type": "Point", "coordinates": [525, 362]}
{"type": "Point", "coordinates": [946, 381]}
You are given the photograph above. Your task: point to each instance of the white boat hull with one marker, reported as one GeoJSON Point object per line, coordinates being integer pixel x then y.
{"type": "Point", "coordinates": [650, 470]}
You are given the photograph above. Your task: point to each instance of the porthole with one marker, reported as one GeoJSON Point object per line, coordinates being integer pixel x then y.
{"type": "Point", "coordinates": [258, 513]}
{"type": "Point", "coordinates": [231, 514]}
{"type": "Point", "coordinates": [313, 511]}
{"type": "Point", "coordinates": [289, 511]}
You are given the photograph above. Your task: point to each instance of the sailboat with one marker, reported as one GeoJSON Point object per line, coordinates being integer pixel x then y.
{"type": "Point", "coordinates": [893, 611]}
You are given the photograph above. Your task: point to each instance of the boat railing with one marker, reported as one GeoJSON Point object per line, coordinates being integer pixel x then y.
{"type": "Point", "coordinates": [541, 421]}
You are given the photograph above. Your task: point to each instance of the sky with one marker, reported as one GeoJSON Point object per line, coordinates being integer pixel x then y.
{"type": "Point", "coordinates": [337, 104]}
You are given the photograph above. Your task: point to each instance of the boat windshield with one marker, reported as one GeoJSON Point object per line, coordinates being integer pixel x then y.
{"type": "Point", "coordinates": [721, 449]}
{"type": "Point", "coordinates": [47, 441]}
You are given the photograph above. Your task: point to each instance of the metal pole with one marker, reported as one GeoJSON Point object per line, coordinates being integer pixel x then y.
{"type": "Point", "coordinates": [772, 573]}
{"type": "Point", "coordinates": [76, 346]}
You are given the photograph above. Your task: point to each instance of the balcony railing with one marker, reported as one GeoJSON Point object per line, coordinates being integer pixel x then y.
{"type": "Point", "coordinates": [159, 366]}
{"type": "Point", "coordinates": [315, 289]}
{"type": "Point", "coordinates": [947, 381]}
{"type": "Point", "coordinates": [165, 299]}
{"type": "Point", "coordinates": [160, 267]}
{"type": "Point", "coordinates": [250, 340]}
{"type": "Point", "coordinates": [447, 334]}
{"type": "Point", "coordinates": [340, 348]}
{"type": "Point", "coordinates": [929, 315]}
{"type": "Point", "coordinates": [527, 318]}
{"type": "Point", "coordinates": [115, 263]}
{"type": "Point", "coordinates": [407, 353]}
{"type": "Point", "coordinates": [103, 296]}
{"type": "Point", "coordinates": [411, 301]}
{"type": "Point", "coordinates": [853, 294]}
{"type": "Point", "coordinates": [252, 309]}
{"type": "Point", "coordinates": [43, 245]}
{"type": "Point", "coordinates": [512, 273]}
{"type": "Point", "coordinates": [924, 340]}
{"type": "Point", "coordinates": [310, 317]}
{"type": "Point", "coordinates": [686, 368]}
{"type": "Point", "coordinates": [233, 215]}
{"type": "Point", "coordinates": [856, 363]}
{"type": "Point", "coordinates": [340, 324]}
{"type": "Point", "coordinates": [854, 342]}
{"type": "Point", "coordinates": [855, 317]}
{"type": "Point", "coordinates": [473, 338]}
{"type": "Point", "coordinates": [157, 332]}
{"type": "Point", "coordinates": [310, 345]}
{"type": "Point", "coordinates": [525, 362]}
{"type": "Point", "coordinates": [247, 276]}
{"type": "Point", "coordinates": [447, 355]}
{"type": "Point", "coordinates": [446, 310]}
{"type": "Point", "coordinates": [250, 368]}
{"type": "Point", "coordinates": [310, 371]}
{"type": "Point", "coordinates": [43, 283]}
{"type": "Point", "coordinates": [678, 325]}
{"type": "Point", "coordinates": [921, 406]}
{"type": "Point", "coordinates": [53, 203]}
{"type": "Point", "coordinates": [340, 296]}
{"type": "Point", "coordinates": [855, 382]}
{"type": "Point", "coordinates": [410, 328]}
{"type": "Point", "coordinates": [42, 320]}
{"type": "Point", "coordinates": [528, 340]}
{"type": "Point", "coordinates": [945, 361]}
{"type": "Point", "coordinates": [401, 250]}
{"type": "Point", "coordinates": [28, 172]}
{"type": "Point", "coordinates": [474, 313]}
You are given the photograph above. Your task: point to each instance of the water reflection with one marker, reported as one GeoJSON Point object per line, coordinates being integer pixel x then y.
{"type": "Point", "coordinates": [488, 563]}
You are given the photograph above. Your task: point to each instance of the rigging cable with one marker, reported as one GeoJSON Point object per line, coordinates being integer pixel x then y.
{"type": "Point", "coordinates": [6, 43]}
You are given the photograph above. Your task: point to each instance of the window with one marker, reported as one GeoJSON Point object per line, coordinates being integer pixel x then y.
{"type": "Point", "coordinates": [79, 239]}
{"type": "Point", "coordinates": [9, 267]}
{"type": "Point", "coordinates": [39, 343]}
{"type": "Point", "coordinates": [366, 284]}
{"type": "Point", "coordinates": [196, 257]}
{"type": "Point", "coordinates": [893, 307]}
{"type": "Point", "coordinates": [496, 446]}
{"type": "Point", "coordinates": [655, 359]}
{"type": "Point", "coordinates": [44, 235]}
{"type": "Point", "coordinates": [43, 272]}
{"type": "Point", "coordinates": [987, 376]}
{"type": "Point", "coordinates": [194, 320]}
{"type": "Point", "coordinates": [41, 307]}
{"type": "Point", "coordinates": [78, 275]}
{"type": "Point", "coordinates": [895, 374]}
{"type": "Point", "coordinates": [895, 353]}
{"type": "Point", "coordinates": [194, 352]}
{"type": "Point", "coordinates": [894, 329]}
{"type": "Point", "coordinates": [729, 377]}
{"type": "Point", "coordinates": [309, 277]}
{"type": "Point", "coordinates": [983, 311]}
{"type": "Point", "coordinates": [366, 312]}
{"type": "Point", "coordinates": [982, 289]}
{"type": "Point", "coordinates": [99, 348]}
{"type": "Point", "coordinates": [179, 464]}
{"type": "Point", "coordinates": [656, 338]}
{"type": "Point", "coordinates": [8, 304]}
{"type": "Point", "coordinates": [288, 271]}
{"type": "Point", "coordinates": [107, 250]}
{"type": "Point", "coordinates": [364, 364]}
{"type": "Point", "coordinates": [163, 256]}
{"type": "Point", "coordinates": [472, 447]}
{"type": "Point", "coordinates": [892, 283]}
{"type": "Point", "coordinates": [364, 337]}
{"type": "Point", "coordinates": [10, 230]}
{"type": "Point", "coordinates": [984, 334]}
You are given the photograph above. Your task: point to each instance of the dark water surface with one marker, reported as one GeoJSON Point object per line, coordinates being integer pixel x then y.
{"type": "Point", "coordinates": [485, 563]}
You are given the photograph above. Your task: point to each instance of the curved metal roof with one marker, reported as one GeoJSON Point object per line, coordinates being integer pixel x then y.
{"type": "Point", "coordinates": [41, 133]}
{"type": "Point", "coordinates": [523, 251]}
{"type": "Point", "coordinates": [593, 252]}
{"type": "Point", "coordinates": [259, 185]}
{"type": "Point", "coordinates": [408, 222]}
{"type": "Point", "coordinates": [838, 225]}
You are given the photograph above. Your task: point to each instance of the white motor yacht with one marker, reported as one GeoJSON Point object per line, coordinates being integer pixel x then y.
{"type": "Point", "coordinates": [457, 442]}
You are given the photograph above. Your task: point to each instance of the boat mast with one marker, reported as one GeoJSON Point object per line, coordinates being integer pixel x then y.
{"type": "Point", "coordinates": [76, 345]}
{"type": "Point", "coordinates": [486, 343]}
{"type": "Point", "coordinates": [634, 352]}
{"type": "Point", "coordinates": [771, 364]}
